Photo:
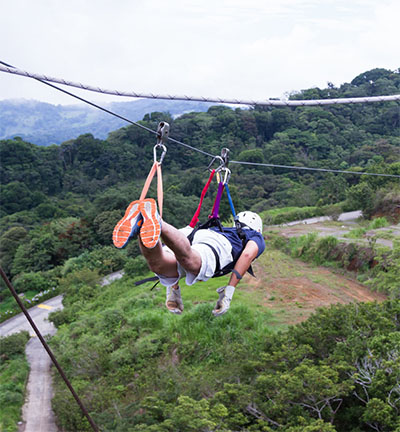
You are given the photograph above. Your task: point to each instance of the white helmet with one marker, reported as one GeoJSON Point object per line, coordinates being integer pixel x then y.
{"type": "Point", "coordinates": [251, 219]}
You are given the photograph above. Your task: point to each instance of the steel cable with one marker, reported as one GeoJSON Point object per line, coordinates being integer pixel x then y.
{"type": "Point", "coordinates": [270, 102]}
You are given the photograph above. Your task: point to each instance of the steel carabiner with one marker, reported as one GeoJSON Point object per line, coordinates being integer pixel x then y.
{"type": "Point", "coordinates": [221, 163]}
{"type": "Point", "coordinates": [164, 151]}
{"type": "Point", "coordinates": [227, 175]}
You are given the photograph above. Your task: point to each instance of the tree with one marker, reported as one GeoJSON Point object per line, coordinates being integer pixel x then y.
{"type": "Point", "coordinates": [9, 243]}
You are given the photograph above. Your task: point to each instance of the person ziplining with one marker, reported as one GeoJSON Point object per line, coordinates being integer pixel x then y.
{"type": "Point", "coordinates": [198, 254]}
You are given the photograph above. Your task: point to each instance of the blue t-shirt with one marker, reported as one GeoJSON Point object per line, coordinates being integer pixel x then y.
{"type": "Point", "coordinates": [237, 244]}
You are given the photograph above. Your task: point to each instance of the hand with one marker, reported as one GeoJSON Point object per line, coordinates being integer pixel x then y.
{"type": "Point", "coordinates": [224, 301]}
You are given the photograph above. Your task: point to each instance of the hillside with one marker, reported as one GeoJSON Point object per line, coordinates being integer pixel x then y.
{"type": "Point", "coordinates": [61, 201]}
{"type": "Point", "coordinates": [45, 124]}
{"type": "Point", "coordinates": [139, 368]}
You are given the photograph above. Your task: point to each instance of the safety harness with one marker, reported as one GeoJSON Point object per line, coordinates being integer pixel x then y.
{"type": "Point", "coordinates": [214, 220]}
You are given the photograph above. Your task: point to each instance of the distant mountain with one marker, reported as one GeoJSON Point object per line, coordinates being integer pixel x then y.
{"type": "Point", "coordinates": [45, 124]}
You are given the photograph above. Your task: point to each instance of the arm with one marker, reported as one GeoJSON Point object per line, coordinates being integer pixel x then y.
{"type": "Point", "coordinates": [243, 263]}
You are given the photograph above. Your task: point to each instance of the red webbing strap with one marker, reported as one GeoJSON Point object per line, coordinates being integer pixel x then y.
{"type": "Point", "coordinates": [195, 218]}
{"type": "Point", "coordinates": [160, 197]}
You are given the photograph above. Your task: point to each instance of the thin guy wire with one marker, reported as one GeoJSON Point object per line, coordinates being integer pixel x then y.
{"type": "Point", "coordinates": [47, 348]}
{"type": "Point", "coordinates": [115, 114]}
{"type": "Point", "coordinates": [312, 169]}
{"type": "Point", "coordinates": [127, 120]}
{"type": "Point", "coordinates": [312, 102]}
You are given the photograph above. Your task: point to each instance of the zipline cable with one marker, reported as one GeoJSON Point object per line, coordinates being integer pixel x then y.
{"type": "Point", "coordinates": [191, 147]}
{"type": "Point", "coordinates": [49, 352]}
{"type": "Point", "coordinates": [313, 169]}
{"type": "Point", "coordinates": [270, 102]}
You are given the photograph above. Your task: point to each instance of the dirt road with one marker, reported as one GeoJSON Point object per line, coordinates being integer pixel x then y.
{"type": "Point", "coordinates": [324, 226]}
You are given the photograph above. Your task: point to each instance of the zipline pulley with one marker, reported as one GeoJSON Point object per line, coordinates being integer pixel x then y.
{"type": "Point", "coordinates": [225, 156]}
{"type": "Point", "coordinates": [162, 136]}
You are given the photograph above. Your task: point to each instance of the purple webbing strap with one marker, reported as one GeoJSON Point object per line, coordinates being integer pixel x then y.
{"type": "Point", "coordinates": [217, 201]}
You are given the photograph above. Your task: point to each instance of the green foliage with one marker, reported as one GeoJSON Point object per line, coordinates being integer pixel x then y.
{"type": "Point", "coordinates": [105, 260]}
{"type": "Point", "coordinates": [356, 233]}
{"type": "Point", "coordinates": [33, 282]}
{"type": "Point", "coordinates": [136, 267]}
{"type": "Point", "coordinates": [140, 368]}
{"type": "Point", "coordinates": [379, 222]}
{"type": "Point", "coordinates": [373, 201]}
{"type": "Point", "coordinates": [385, 276]}
{"type": "Point", "coordinates": [288, 214]}
{"type": "Point", "coordinates": [14, 344]}
{"type": "Point", "coordinates": [319, 250]}
{"type": "Point", "coordinates": [14, 371]}
{"type": "Point", "coordinates": [376, 223]}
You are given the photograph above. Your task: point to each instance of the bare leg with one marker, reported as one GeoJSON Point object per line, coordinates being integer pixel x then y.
{"type": "Point", "coordinates": [160, 262]}
{"type": "Point", "coordinates": [187, 257]}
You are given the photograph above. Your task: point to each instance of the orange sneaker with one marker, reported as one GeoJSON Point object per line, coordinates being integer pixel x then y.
{"type": "Point", "coordinates": [151, 227]}
{"type": "Point", "coordinates": [129, 226]}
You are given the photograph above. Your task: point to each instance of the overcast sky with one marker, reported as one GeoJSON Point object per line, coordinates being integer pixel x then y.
{"type": "Point", "coordinates": [222, 48]}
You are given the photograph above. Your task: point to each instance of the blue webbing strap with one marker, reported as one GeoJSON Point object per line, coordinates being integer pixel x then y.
{"type": "Point", "coordinates": [230, 200]}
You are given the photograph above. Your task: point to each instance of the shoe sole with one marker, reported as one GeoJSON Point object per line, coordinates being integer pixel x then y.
{"type": "Point", "coordinates": [151, 228]}
{"type": "Point", "coordinates": [173, 307]}
{"type": "Point", "coordinates": [124, 229]}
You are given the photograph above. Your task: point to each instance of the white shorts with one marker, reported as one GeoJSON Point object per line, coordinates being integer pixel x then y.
{"type": "Point", "coordinates": [208, 264]}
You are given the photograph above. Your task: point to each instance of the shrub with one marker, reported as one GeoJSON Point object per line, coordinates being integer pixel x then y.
{"type": "Point", "coordinates": [379, 222]}
{"type": "Point", "coordinates": [106, 260]}
{"type": "Point", "coordinates": [14, 344]}
{"type": "Point", "coordinates": [386, 274]}
{"type": "Point", "coordinates": [136, 267]}
{"type": "Point", "coordinates": [356, 233]}
{"type": "Point", "coordinates": [32, 282]}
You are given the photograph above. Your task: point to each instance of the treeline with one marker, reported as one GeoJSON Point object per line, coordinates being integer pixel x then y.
{"type": "Point", "coordinates": [60, 201]}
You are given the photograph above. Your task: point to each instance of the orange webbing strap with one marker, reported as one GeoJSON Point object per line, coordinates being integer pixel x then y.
{"type": "Point", "coordinates": [195, 218]}
{"type": "Point", "coordinates": [156, 167]}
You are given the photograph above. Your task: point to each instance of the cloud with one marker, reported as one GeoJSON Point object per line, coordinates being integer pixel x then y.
{"type": "Point", "coordinates": [228, 48]}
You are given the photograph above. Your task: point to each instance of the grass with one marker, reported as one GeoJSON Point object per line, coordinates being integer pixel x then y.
{"type": "Point", "coordinates": [375, 224]}
{"type": "Point", "coordinates": [7, 304]}
{"type": "Point", "coordinates": [9, 307]}
{"type": "Point", "coordinates": [387, 235]}
{"type": "Point", "coordinates": [13, 377]}
{"type": "Point", "coordinates": [356, 233]}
